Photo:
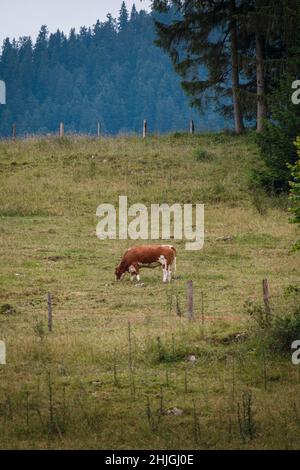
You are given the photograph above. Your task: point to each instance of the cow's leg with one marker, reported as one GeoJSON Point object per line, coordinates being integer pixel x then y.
{"type": "Point", "coordinates": [134, 271]}
{"type": "Point", "coordinates": [169, 273]}
{"type": "Point", "coordinates": [137, 272]}
{"type": "Point", "coordinates": [162, 260]}
{"type": "Point", "coordinates": [165, 272]}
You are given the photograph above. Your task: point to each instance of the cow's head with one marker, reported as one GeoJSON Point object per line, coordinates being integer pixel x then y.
{"type": "Point", "coordinates": [119, 273]}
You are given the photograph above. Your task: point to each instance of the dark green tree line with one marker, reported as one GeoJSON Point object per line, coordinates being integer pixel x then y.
{"type": "Point", "coordinates": [111, 72]}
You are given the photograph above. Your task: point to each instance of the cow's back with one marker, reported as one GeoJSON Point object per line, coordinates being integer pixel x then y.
{"type": "Point", "coordinates": [147, 254]}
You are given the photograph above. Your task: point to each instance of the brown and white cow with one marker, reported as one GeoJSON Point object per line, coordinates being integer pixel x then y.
{"type": "Point", "coordinates": [147, 256]}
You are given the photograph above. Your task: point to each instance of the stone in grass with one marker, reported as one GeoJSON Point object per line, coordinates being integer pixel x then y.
{"type": "Point", "coordinates": [96, 383]}
{"type": "Point", "coordinates": [174, 412]}
{"type": "Point", "coordinates": [191, 358]}
{"type": "Point", "coordinates": [226, 238]}
{"type": "Point", "coordinates": [140, 284]}
{"type": "Point", "coordinates": [7, 309]}
{"type": "Point", "coordinates": [241, 337]}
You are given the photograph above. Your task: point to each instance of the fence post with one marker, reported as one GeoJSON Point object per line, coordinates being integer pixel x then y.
{"type": "Point", "coordinates": [192, 126]}
{"type": "Point", "coordinates": [266, 297]}
{"type": "Point", "coordinates": [145, 128]}
{"type": "Point", "coordinates": [190, 300]}
{"type": "Point", "coordinates": [61, 129]}
{"type": "Point", "coordinates": [50, 324]}
{"type": "Point", "coordinates": [99, 129]}
{"type": "Point", "coordinates": [14, 131]}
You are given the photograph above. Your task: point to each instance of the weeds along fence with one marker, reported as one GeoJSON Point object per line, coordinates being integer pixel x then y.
{"type": "Point", "coordinates": [195, 303]}
{"type": "Point", "coordinates": [189, 302]}
{"type": "Point", "coordinates": [99, 129]}
{"type": "Point", "coordinates": [200, 303]}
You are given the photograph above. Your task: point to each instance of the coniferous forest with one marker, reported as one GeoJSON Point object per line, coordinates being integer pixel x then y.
{"type": "Point", "coordinates": [111, 72]}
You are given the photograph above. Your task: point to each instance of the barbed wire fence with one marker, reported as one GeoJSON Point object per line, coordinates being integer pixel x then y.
{"type": "Point", "coordinates": [61, 131]}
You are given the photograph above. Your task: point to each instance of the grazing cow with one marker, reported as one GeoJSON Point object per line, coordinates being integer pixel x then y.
{"type": "Point", "coordinates": [147, 256]}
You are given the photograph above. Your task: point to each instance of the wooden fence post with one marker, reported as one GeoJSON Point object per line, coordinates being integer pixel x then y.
{"type": "Point", "coordinates": [190, 300]}
{"type": "Point", "coordinates": [266, 297]}
{"type": "Point", "coordinates": [50, 324]}
{"type": "Point", "coordinates": [61, 129]}
{"type": "Point", "coordinates": [192, 126]}
{"type": "Point", "coordinates": [99, 129]}
{"type": "Point", "coordinates": [145, 128]}
{"type": "Point", "coordinates": [14, 131]}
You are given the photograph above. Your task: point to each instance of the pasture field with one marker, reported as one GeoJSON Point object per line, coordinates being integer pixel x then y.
{"type": "Point", "coordinates": [115, 372]}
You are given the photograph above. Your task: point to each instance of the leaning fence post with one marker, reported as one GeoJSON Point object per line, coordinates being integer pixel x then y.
{"type": "Point", "coordinates": [61, 129]}
{"type": "Point", "coordinates": [145, 128]}
{"type": "Point", "coordinates": [50, 324]}
{"type": "Point", "coordinates": [190, 300]}
{"type": "Point", "coordinates": [266, 297]}
{"type": "Point", "coordinates": [14, 131]}
{"type": "Point", "coordinates": [192, 126]}
{"type": "Point", "coordinates": [99, 129]}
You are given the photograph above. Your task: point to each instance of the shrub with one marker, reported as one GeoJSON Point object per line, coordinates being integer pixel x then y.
{"type": "Point", "coordinates": [295, 191]}
{"type": "Point", "coordinates": [285, 330]}
{"type": "Point", "coordinates": [260, 201]}
{"type": "Point", "coordinates": [201, 154]}
{"type": "Point", "coordinates": [7, 309]}
{"type": "Point", "coordinates": [284, 327]}
{"type": "Point", "coordinates": [276, 142]}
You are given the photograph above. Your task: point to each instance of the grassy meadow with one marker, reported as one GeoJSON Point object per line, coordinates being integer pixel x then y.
{"type": "Point", "coordinates": [116, 373]}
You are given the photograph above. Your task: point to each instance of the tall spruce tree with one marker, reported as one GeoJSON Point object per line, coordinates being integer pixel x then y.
{"type": "Point", "coordinates": [123, 17]}
{"type": "Point", "coordinates": [269, 30]}
{"type": "Point", "coordinates": [242, 43]}
{"type": "Point", "coordinates": [133, 13]}
{"type": "Point", "coordinates": [202, 41]}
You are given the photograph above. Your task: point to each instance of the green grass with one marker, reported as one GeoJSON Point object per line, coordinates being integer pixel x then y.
{"type": "Point", "coordinates": [85, 385]}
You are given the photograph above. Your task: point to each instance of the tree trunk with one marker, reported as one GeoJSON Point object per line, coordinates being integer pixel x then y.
{"type": "Point", "coordinates": [261, 82]}
{"type": "Point", "coordinates": [237, 109]}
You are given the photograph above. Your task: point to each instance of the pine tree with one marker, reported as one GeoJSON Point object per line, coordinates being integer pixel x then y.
{"type": "Point", "coordinates": [133, 14]}
{"type": "Point", "coordinates": [269, 29]}
{"type": "Point", "coordinates": [40, 62]}
{"type": "Point", "coordinates": [235, 74]}
{"type": "Point", "coordinates": [203, 45]}
{"type": "Point", "coordinates": [246, 43]}
{"type": "Point", "coordinates": [123, 17]}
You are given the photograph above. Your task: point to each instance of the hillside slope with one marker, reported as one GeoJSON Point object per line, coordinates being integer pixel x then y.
{"type": "Point", "coordinates": [117, 357]}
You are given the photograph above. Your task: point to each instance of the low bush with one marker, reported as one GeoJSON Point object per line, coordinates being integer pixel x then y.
{"type": "Point", "coordinates": [280, 329]}
{"type": "Point", "coordinates": [201, 154]}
